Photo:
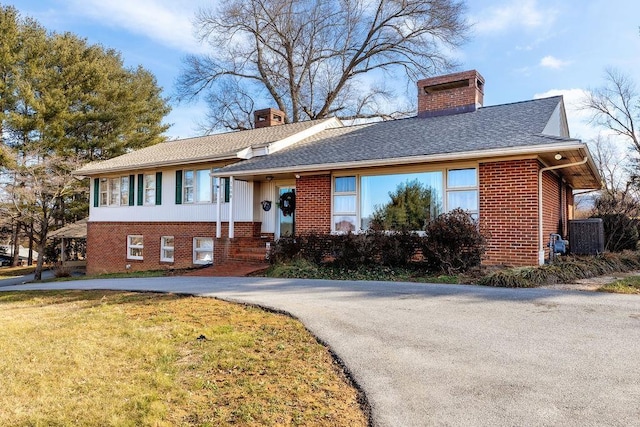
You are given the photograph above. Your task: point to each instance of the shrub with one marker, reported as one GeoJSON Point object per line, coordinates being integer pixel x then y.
{"type": "Point", "coordinates": [620, 232]}
{"type": "Point", "coordinates": [453, 243]}
{"type": "Point", "coordinates": [567, 270]}
{"type": "Point", "coordinates": [61, 271]}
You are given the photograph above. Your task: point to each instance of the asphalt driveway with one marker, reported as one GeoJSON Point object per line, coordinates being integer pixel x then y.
{"type": "Point", "coordinates": [456, 355]}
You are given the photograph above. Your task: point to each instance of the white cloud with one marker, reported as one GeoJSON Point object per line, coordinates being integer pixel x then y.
{"type": "Point", "coordinates": [526, 13]}
{"type": "Point", "coordinates": [164, 21]}
{"type": "Point", "coordinates": [553, 62]}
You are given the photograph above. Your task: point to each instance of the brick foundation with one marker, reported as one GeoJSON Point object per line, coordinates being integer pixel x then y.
{"type": "Point", "coordinates": [107, 244]}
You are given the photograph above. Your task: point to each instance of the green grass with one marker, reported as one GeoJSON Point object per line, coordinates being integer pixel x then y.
{"type": "Point", "coordinates": [628, 285]}
{"type": "Point", "coordinates": [128, 359]}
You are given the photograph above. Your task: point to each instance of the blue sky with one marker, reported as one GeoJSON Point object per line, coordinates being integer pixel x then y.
{"type": "Point", "coordinates": [523, 48]}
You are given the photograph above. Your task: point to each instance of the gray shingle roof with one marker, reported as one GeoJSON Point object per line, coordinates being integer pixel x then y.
{"type": "Point", "coordinates": [212, 147]}
{"type": "Point", "coordinates": [489, 128]}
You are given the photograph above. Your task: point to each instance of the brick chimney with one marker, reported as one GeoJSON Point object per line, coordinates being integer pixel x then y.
{"type": "Point", "coordinates": [451, 94]}
{"type": "Point", "coordinates": [268, 117]}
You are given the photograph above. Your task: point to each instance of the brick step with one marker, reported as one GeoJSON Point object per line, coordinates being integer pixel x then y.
{"type": "Point", "coordinates": [251, 249]}
{"type": "Point", "coordinates": [252, 244]}
{"type": "Point", "coordinates": [248, 256]}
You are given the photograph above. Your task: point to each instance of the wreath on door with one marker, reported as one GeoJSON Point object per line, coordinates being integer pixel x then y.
{"type": "Point", "coordinates": [288, 203]}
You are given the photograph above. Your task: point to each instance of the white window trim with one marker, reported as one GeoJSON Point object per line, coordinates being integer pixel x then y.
{"type": "Point", "coordinates": [163, 247]}
{"type": "Point", "coordinates": [213, 187]}
{"type": "Point", "coordinates": [130, 246]}
{"type": "Point", "coordinates": [145, 188]}
{"type": "Point", "coordinates": [106, 191]}
{"type": "Point", "coordinates": [355, 193]}
{"type": "Point", "coordinates": [195, 251]}
{"type": "Point", "coordinates": [359, 175]}
{"type": "Point", "coordinates": [448, 189]}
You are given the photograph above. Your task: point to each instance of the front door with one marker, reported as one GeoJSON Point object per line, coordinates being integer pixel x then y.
{"type": "Point", "coordinates": [286, 220]}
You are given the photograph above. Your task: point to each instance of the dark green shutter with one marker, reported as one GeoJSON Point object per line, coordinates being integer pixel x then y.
{"type": "Point", "coordinates": [140, 189]}
{"type": "Point", "coordinates": [227, 189]}
{"type": "Point", "coordinates": [178, 187]}
{"type": "Point", "coordinates": [96, 192]}
{"type": "Point", "coordinates": [158, 188]}
{"type": "Point", "coordinates": [132, 188]}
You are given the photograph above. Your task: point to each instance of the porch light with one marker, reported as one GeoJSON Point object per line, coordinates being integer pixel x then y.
{"type": "Point", "coordinates": [558, 156]}
{"type": "Point", "coordinates": [269, 178]}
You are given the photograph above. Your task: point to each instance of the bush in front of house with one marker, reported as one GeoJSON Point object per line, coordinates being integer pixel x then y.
{"type": "Point", "coordinates": [452, 243]}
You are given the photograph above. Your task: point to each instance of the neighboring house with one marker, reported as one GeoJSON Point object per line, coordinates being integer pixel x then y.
{"type": "Point", "coordinates": [214, 198]}
{"type": "Point", "coordinates": [6, 255]}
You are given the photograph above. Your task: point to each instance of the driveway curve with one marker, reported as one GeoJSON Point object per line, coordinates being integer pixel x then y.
{"type": "Point", "coordinates": [452, 355]}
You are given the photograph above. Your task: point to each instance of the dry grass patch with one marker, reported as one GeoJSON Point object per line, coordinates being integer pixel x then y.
{"type": "Point", "coordinates": [16, 271]}
{"type": "Point", "coordinates": [114, 358]}
{"type": "Point", "coordinates": [628, 285]}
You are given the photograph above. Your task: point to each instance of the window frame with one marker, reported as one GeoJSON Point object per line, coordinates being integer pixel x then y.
{"type": "Point", "coordinates": [107, 197]}
{"type": "Point", "coordinates": [195, 187]}
{"type": "Point", "coordinates": [147, 189]}
{"type": "Point", "coordinates": [356, 194]}
{"type": "Point", "coordinates": [475, 213]}
{"type": "Point", "coordinates": [378, 172]}
{"type": "Point", "coordinates": [103, 198]}
{"type": "Point", "coordinates": [135, 246]}
{"type": "Point", "coordinates": [198, 250]}
{"type": "Point", "coordinates": [164, 247]}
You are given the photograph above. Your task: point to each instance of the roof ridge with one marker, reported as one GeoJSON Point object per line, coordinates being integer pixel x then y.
{"type": "Point", "coordinates": [244, 130]}
{"type": "Point", "coordinates": [520, 102]}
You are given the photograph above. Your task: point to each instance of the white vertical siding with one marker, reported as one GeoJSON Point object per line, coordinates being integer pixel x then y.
{"type": "Point", "coordinates": [268, 219]}
{"type": "Point", "coordinates": [170, 212]}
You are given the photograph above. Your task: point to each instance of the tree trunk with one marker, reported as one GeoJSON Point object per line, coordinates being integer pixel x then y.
{"type": "Point", "coordinates": [30, 258]}
{"type": "Point", "coordinates": [16, 246]}
{"type": "Point", "coordinates": [38, 272]}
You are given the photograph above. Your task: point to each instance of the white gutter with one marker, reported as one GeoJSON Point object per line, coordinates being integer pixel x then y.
{"type": "Point", "coordinates": [459, 156]}
{"type": "Point", "coordinates": [540, 209]}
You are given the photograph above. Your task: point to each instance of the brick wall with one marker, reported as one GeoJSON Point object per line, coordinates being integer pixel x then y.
{"type": "Point", "coordinates": [509, 211]}
{"type": "Point", "coordinates": [107, 244]}
{"type": "Point", "coordinates": [551, 206]}
{"type": "Point", "coordinates": [313, 204]}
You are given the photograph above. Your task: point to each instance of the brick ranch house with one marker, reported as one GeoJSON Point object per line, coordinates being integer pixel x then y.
{"type": "Point", "coordinates": [215, 198]}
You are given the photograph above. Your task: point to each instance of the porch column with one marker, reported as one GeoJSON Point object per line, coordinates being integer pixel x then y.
{"type": "Point", "coordinates": [231, 228]}
{"type": "Point", "coordinates": [218, 209]}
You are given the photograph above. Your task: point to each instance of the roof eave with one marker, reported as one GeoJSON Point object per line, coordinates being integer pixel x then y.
{"type": "Point", "coordinates": [431, 158]}
{"type": "Point", "coordinates": [156, 165]}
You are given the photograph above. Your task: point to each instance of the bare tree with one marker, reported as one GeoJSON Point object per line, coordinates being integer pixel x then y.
{"type": "Point", "coordinates": [310, 57]}
{"type": "Point", "coordinates": [40, 184]}
{"type": "Point", "coordinates": [616, 106]}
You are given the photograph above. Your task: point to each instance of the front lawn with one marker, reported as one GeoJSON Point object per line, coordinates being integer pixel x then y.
{"type": "Point", "coordinates": [128, 359]}
{"type": "Point", "coordinates": [628, 285]}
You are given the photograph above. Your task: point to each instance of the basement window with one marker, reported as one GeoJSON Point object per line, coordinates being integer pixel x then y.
{"type": "Point", "coordinates": [166, 248]}
{"type": "Point", "coordinates": [135, 247]}
{"type": "Point", "coordinates": [203, 250]}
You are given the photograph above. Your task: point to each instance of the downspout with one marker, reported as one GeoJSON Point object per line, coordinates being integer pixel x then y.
{"type": "Point", "coordinates": [540, 208]}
